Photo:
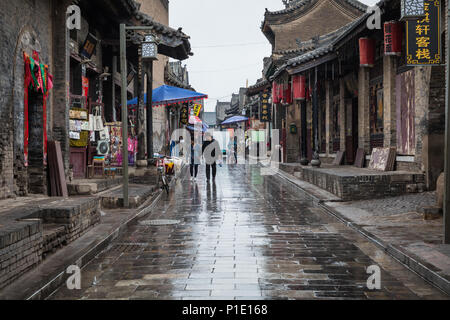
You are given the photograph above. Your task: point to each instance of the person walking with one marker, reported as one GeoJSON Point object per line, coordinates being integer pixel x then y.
{"type": "Point", "coordinates": [211, 153]}
{"type": "Point", "coordinates": [196, 153]}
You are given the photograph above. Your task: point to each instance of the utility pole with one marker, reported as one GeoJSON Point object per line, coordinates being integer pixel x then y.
{"type": "Point", "coordinates": [123, 74]}
{"type": "Point", "coordinates": [446, 208]}
{"type": "Point", "coordinates": [149, 110]}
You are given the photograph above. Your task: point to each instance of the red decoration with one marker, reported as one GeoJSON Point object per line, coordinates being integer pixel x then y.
{"type": "Point", "coordinates": [366, 52]}
{"type": "Point", "coordinates": [287, 93]}
{"type": "Point", "coordinates": [43, 83]}
{"type": "Point", "coordinates": [393, 38]}
{"type": "Point", "coordinates": [275, 93]}
{"type": "Point", "coordinates": [299, 87]}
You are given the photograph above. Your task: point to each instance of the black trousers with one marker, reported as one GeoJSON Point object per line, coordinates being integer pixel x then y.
{"type": "Point", "coordinates": [194, 169]}
{"type": "Point", "coordinates": [208, 170]}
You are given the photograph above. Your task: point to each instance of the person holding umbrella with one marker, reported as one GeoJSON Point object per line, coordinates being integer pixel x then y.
{"type": "Point", "coordinates": [211, 153]}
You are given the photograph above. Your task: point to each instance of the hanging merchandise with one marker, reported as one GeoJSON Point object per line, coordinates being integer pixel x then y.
{"type": "Point", "coordinates": [37, 78]}
{"type": "Point", "coordinates": [85, 84]}
{"type": "Point", "coordinates": [84, 125]}
{"type": "Point", "coordinates": [98, 121]}
{"type": "Point", "coordinates": [74, 135]}
{"type": "Point", "coordinates": [104, 134]}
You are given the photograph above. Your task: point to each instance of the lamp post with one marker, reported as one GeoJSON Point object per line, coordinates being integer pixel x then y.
{"type": "Point", "coordinates": [149, 52]}
{"type": "Point", "coordinates": [446, 204]}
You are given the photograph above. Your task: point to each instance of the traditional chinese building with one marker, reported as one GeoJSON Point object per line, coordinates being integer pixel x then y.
{"type": "Point", "coordinates": [367, 88]}
{"type": "Point", "coordinates": [83, 68]}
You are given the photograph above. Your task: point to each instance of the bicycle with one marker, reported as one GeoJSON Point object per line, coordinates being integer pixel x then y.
{"type": "Point", "coordinates": [162, 176]}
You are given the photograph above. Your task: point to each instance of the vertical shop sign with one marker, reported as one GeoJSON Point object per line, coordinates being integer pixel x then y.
{"type": "Point", "coordinates": [423, 36]}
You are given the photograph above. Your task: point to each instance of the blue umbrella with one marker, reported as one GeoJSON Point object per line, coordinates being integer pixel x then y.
{"type": "Point", "coordinates": [235, 119]}
{"type": "Point", "coordinates": [194, 128]}
{"type": "Point", "coordinates": [167, 95]}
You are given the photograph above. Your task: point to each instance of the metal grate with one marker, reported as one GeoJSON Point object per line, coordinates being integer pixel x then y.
{"type": "Point", "coordinates": [161, 222]}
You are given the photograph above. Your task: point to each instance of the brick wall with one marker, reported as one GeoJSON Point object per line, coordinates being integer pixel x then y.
{"type": "Point", "coordinates": [31, 31]}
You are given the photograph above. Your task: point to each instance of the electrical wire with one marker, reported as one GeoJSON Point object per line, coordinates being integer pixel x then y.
{"type": "Point", "coordinates": [231, 45]}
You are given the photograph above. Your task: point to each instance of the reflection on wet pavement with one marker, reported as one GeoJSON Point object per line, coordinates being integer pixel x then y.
{"type": "Point", "coordinates": [245, 236]}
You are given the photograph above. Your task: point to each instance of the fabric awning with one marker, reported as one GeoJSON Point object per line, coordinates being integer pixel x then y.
{"type": "Point", "coordinates": [167, 95]}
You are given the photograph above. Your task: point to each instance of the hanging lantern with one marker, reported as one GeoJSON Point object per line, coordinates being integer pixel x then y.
{"type": "Point", "coordinates": [366, 52]}
{"type": "Point", "coordinates": [393, 38]}
{"type": "Point", "coordinates": [275, 95]}
{"type": "Point", "coordinates": [412, 9]}
{"type": "Point", "coordinates": [299, 87]}
{"type": "Point", "coordinates": [287, 93]}
{"type": "Point", "coordinates": [149, 48]}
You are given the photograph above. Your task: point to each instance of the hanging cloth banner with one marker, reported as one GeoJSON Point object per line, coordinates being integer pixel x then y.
{"type": "Point", "coordinates": [37, 78]}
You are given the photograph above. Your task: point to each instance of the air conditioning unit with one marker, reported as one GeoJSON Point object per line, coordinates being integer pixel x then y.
{"type": "Point", "coordinates": [103, 147]}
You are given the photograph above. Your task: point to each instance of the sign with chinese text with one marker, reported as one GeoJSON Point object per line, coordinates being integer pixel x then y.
{"type": "Point", "coordinates": [423, 36]}
{"type": "Point", "coordinates": [184, 115]}
{"type": "Point", "coordinates": [89, 46]}
{"type": "Point", "coordinates": [197, 109]}
{"type": "Point", "coordinates": [265, 112]}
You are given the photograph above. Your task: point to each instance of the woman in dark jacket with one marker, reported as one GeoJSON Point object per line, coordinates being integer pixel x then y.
{"type": "Point", "coordinates": [211, 153]}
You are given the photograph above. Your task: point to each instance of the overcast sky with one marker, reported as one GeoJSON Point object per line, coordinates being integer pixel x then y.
{"type": "Point", "coordinates": [227, 42]}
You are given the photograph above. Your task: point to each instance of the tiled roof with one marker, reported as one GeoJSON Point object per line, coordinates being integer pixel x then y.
{"type": "Point", "coordinates": [326, 45]}
{"type": "Point", "coordinates": [303, 3]}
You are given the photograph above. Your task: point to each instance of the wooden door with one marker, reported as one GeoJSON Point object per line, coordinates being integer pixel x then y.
{"type": "Point", "coordinates": [78, 162]}
{"type": "Point", "coordinates": [405, 102]}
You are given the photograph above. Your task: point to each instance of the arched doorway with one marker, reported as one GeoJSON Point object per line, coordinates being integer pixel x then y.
{"type": "Point", "coordinates": [28, 177]}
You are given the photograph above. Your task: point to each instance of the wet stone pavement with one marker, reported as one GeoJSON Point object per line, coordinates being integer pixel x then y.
{"type": "Point", "coordinates": [246, 236]}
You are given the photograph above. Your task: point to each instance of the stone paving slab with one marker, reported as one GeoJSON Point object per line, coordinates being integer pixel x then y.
{"type": "Point", "coordinates": [244, 236]}
{"type": "Point", "coordinates": [395, 224]}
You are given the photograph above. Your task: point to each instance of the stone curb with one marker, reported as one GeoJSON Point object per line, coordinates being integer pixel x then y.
{"type": "Point", "coordinates": [412, 263]}
{"type": "Point", "coordinates": [59, 279]}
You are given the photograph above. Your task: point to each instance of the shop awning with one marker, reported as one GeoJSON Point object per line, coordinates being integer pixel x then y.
{"type": "Point", "coordinates": [167, 95]}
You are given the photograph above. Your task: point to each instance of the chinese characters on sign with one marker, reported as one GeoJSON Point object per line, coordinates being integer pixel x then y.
{"type": "Point", "coordinates": [265, 108]}
{"type": "Point", "coordinates": [197, 109]}
{"type": "Point", "coordinates": [423, 36]}
{"type": "Point", "coordinates": [184, 115]}
{"type": "Point", "coordinates": [89, 46]}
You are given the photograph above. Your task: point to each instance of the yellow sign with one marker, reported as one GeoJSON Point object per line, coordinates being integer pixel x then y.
{"type": "Point", "coordinates": [197, 109]}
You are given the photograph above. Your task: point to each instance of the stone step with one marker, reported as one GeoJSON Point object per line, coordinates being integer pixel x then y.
{"type": "Point", "coordinates": [92, 186]}
{"type": "Point", "coordinates": [137, 195]}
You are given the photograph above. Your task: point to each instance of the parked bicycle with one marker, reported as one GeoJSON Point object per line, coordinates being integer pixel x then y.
{"type": "Point", "coordinates": [162, 178]}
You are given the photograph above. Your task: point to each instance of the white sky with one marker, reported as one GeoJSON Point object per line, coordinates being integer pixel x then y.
{"type": "Point", "coordinates": [227, 42]}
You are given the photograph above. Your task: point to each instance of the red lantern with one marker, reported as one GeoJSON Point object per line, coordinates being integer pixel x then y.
{"type": "Point", "coordinates": [393, 38]}
{"type": "Point", "coordinates": [275, 93]}
{"type": "Point", "coordinates": [366, 52]}
{"type": "Point", "coordinates": [287, 93]}
{"type": "Point", "coordinates": [299, 84]}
